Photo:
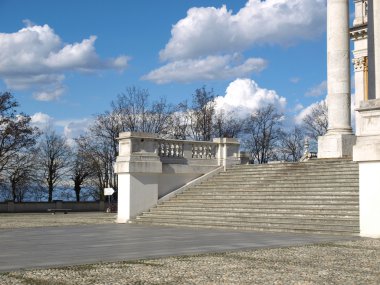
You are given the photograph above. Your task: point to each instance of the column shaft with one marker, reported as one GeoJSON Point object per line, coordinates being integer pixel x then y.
{"type": "Point", "coordinates": [338, 67]}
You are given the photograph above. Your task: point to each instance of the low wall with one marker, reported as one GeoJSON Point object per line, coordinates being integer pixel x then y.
{"type": "Point", "coordinates": [35, 207]}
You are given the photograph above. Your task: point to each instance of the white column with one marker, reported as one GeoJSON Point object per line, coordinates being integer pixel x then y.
{"type": "Point", "coordinates": [338, 141]}
{"type": "Point", "coordinates": [338, 67]}
{"type": "Point", "coordinates": [376, 43]}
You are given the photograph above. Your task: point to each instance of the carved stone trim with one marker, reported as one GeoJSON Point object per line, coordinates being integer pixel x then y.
{"type": "Point", "coordinates": [360, 64]}
{"type": "Point", "coordinates": [358, 33]}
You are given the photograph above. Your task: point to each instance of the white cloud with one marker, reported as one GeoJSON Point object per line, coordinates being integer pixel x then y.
{"type": "Point", "coordinates": [205, 44]}
{"type": "Point", "coordinates": [208, 68]}
{"type": "Point", "coordinates": [35, 58]}
{"type": "Point", "coordinates": [316, 91]}
{"type": "Point", "coordinates": [295, 80]}
{"type": "Point", "coordinates": [70, 129]}
{"type": "Point", "coordinates": [298, 107]}
{"type": "Point", "coordinates": [49, 95]}
{"type": "Point", "coordinates": [304, 112]}
{"type": "Point", "coordinates": [74, 128]}
{"type": "Point", "coordinates": [41, 120]}
{"type": "Point", "coordinates": [244, 96]}
{"type": "Point", "coordinates": [212, 30]}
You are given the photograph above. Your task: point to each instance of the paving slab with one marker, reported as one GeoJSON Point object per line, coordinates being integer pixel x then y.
{"type": "Point", "coordinates": [27, 248]}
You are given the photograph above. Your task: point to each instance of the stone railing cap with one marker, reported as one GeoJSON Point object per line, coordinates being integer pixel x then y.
{"type": "Point", "coordinates": [226, 140]}
{"type": "Point", "coordinates": [127, 135]}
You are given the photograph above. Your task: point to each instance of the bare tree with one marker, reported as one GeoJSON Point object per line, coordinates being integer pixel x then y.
{"type": "Point", "coordinates": [179, 122]}
{"type": "Point", "coordinates": [316, 123]}
{"type": "Point", "coordinates": [99, 155]}
{"type": "Point", "coordinates": [226, 125]}
{"type": "Point", "coordinates": [291, 144]}
{"type": "Point", "coordinates": [54, 160]}
{"type": "Point", "coordinates": [201, 114]}
{"type": "Point", "coordinates": [20, 175]}
{"type": "Point", "coordinates": [80, 171]}
{"type": "Point", "coordinates": [16, 133]}
{"type": "Point", "coordinates": [131, 106]}
{"type": "Point", "coordinates": [263, 130]}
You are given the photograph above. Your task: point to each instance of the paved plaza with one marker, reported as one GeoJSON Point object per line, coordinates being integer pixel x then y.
{"type": "Point", "coordinates": [24, 248]}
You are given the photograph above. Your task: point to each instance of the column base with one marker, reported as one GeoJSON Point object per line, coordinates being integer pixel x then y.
{"type": "Point", "coordinates": [336, 145]}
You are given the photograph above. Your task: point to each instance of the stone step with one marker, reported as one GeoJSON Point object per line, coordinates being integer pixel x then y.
{"type": "Point", "coordinates": [250, 216]}
{"type": "Point", "coordinates": [314, 163]}
{"type": "Point", "coordinates": [256, 192]}
{"type": "Point", "coordinates": [256, 213]}
{"type": "Point", "coordinates": [254, 177]}
{"type": "Point", "coordinates": [293, 166]}
{"type": "Point", "coordinates": [250, 206]}
{"type": "Point", "coordinates": [271, 197]}
{"type": "Point", "coordinates": [303, 180]}
{"type": "Point", "coordinates": [276, 188]}
{"type": "Point", "coordinates": [255, 219]}
{"type": "Point", "coordinates": [279, 184]}
{"type": "Point", "coordinates": [328, 209]}
{"type": "Point", "coordinates": [319, 196]}
{"type": "Point", "coordinates": [295, 169]}
{"type": "Point", "coordinates": [253, 202]}
{"type": "Point", "coordinates": [278, 227]}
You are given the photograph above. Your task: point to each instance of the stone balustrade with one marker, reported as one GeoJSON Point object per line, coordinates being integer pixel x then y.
{"type": "Point", "coordinates": [150, 167]}
{"type": "Point", "coordinates": [167, 148]}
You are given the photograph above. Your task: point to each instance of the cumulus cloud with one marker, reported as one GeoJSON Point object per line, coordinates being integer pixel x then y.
{"type": "Point", "coordinates": [212, 30]}
{"type": "Point", "coordinates": [298, 119]}
{"type": "Point", "coordinates": [71, 128]}
{"type": "Point", "coordinates": [208, 68]}
{"type": "Point", "coordinates": [35, 58]}
{"type": "Point", "coordinates": [203, 45]}
{"type": "Point", "coordinates": [316, 91]}
{"type": "Point", "coordinates": [244, 96]}
{"type": "Point", "coordinates": [74, 128]}
{"type": "Point", "coordinates": [41, 120]}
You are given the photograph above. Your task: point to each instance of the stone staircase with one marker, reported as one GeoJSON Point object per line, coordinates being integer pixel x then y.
{"type": "Point", "coordinates": [319, 196]}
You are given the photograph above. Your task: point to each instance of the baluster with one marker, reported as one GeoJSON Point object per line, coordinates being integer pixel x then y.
{"type": "Point", "coordinates": [166, 149]}
{"type": "Point", "coordinates": [180, 150]}
{"type": "Point", "coordinates": [176, 152]}
{"type": "Point", "coordinates": [195, 151]}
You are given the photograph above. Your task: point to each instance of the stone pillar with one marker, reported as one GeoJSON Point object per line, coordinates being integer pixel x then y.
{"type": "Point", "coordinates": [228, 151]}
{"type": "Point", "coordinates": [137, 167]}
{"type": "Point", "coordinates": [367, 148]}
{"type": "Point", "coordinates": [376, 46]}
{"type": "Point", "coordinates": [338, 141]}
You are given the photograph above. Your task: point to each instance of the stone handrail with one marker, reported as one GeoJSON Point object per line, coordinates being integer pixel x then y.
{"type": "Point", "coordinates": [148, 147]}
{"type": "Point", "coordinates": [170, 148]}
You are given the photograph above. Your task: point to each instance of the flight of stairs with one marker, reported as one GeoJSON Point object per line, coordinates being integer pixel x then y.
{"type": "Point", "coordinates": [319, 196]}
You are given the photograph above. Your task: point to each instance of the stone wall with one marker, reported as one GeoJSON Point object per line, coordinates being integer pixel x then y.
{"type": "Point", "coordinates": [35, 207]}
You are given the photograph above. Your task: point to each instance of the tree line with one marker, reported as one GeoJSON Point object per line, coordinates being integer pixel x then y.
{"type": "Point", "coordinates": [34, 163]}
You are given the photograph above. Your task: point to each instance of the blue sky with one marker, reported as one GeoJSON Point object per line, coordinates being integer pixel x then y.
{"type": "Point", "coordinates": [66, 60]}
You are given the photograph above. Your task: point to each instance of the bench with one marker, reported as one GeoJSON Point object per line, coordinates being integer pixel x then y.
{"type": "Point", "coordinates": [53, 211]}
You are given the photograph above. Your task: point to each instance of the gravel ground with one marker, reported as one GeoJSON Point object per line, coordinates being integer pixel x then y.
{"type": "Point", "coordinates": [13, 221]}
{"type": "Point", "coordinates": [353, 262]}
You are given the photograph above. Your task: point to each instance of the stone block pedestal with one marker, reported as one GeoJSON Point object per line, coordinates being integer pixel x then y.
{"type": "Point", "coordinates": [336, 145]}
{"type": "Point", "coordinates": [367, 153]}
